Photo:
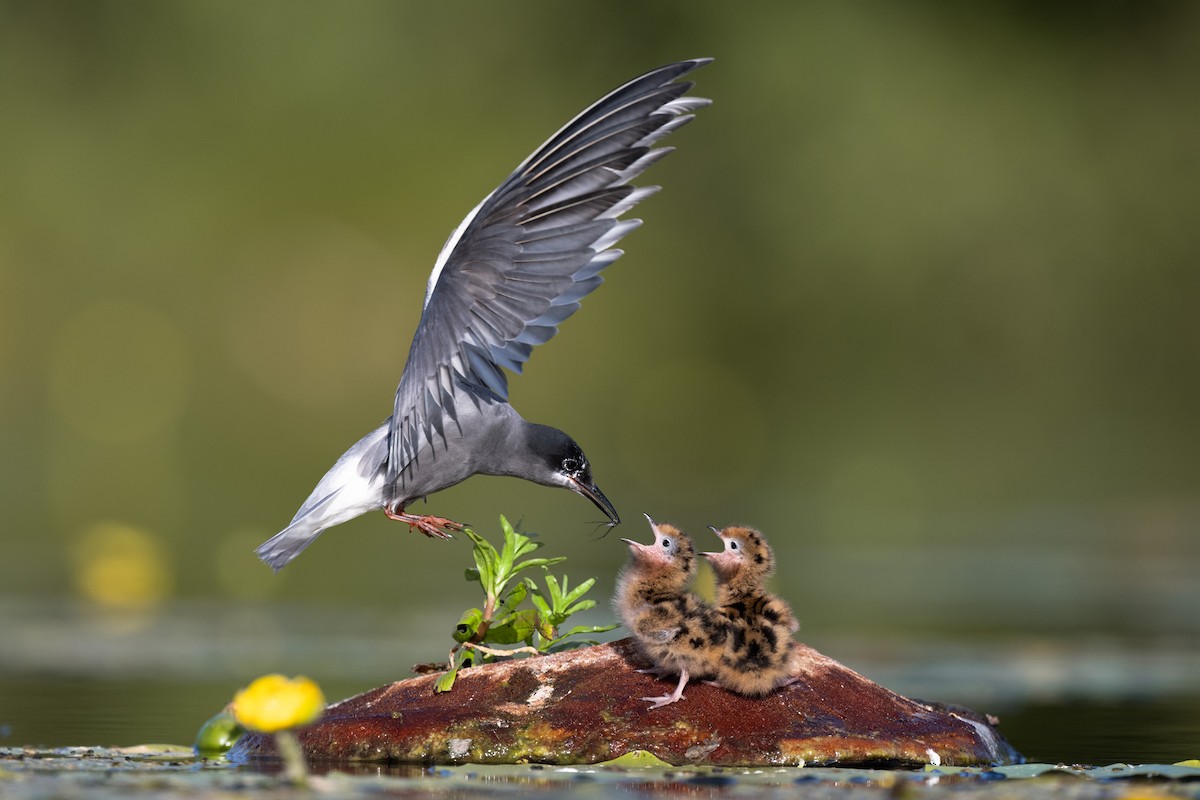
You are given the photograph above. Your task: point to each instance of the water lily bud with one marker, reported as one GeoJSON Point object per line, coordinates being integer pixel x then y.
{"type": "Point", "coordinates": [216, 736]}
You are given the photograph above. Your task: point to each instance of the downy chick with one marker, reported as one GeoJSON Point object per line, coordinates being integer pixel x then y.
{"type": "Point", "coordinates": [672, 627]}
{"type": "Point", "coordinates": [758, 656]}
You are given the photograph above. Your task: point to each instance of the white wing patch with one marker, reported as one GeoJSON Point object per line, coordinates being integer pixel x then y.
{"type": "Point", "coordinates": [448, 248]}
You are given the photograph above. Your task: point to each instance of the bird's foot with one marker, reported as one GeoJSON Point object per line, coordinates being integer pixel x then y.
{"type": "Point", "coordinates": [673, 697]}
{"type": "Point", "coordinates": [662, 700]}
{"type": "Point", "coordinates": [788, 681]}
{"type": "Point", "coordinates": [657, 672]}
{"type": "Point", "coordinates": [433, 527]}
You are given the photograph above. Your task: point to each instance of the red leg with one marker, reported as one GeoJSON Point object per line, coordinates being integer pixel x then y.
{"type": "Point", "coordinates": [433, 527]}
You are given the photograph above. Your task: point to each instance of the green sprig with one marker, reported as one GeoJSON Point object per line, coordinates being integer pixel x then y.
{"type": "Point", "coordinates": [503, 620]}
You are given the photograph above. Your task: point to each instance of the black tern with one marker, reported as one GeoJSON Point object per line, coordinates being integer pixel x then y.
{"type": "Point", "coordinates": [509, 274]}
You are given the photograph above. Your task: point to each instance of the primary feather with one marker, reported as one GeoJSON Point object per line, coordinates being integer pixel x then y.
{"type": "Point", "coordinates": [521, 261]}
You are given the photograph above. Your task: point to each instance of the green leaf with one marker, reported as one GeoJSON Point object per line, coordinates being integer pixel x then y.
{"type": "Point", "coordinates": [555, 591]}
{"type": "Point", "coordinates": [477, 539]}
{"type": "Point", "coordinates": [578, 629]}
{"type": "Point", "coordinates": [540, 602]}
{"type": "Point", "coordinates": [514, 598]}
{"type": "Point", "coordinates": [512, 541]}
{"type": "Point", "coordinates": [545, 629]}
{"type": "Point", "coordinates": [538, 562]}
{"type": "Point", "coordinates": [560, 606]}
{"type": "Point", "coordinates": [515, 628]}
{"type": "Point", "coordinates": [486, 559]}
{"type": "Point", "coordinates": [467, 625]}
{"type": "Point", "coordinates": [505, 561]}
{"type": "Point", "coordinates": [515, 546]}
{"type": "Point", "coordinates": [522, 544]}
{"type": "Point", "coordinates": [578, 592]}
{"type": "Point", "coordinates": [445, 681]}
{"type": "Point", "coordinates": [582, 605]}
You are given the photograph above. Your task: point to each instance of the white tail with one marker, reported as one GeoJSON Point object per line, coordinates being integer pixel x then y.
{"type": "Point", "coordinates": [281, 548]}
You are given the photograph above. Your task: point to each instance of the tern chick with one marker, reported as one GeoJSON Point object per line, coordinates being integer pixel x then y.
{"type": "Point", "coordinates": [759, 656]}
{"type": "Point", "coordinates": [674, 629]}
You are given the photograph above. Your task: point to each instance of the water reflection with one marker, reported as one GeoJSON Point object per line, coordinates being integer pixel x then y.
{"type": "Point", "coordinates": [1161, 730]}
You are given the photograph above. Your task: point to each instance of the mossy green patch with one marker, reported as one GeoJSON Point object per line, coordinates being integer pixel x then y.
{"type": "Point", "coordinates": [636, 759]}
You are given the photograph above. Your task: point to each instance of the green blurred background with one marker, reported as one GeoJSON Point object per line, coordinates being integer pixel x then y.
{"type": "Point", "coordinates": [918, 300]}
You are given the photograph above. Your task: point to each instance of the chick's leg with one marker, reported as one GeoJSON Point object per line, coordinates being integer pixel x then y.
{"type": "Point", "coordinates": [658, 672]}
{"type": "Point", "coordinates": [673, 697]}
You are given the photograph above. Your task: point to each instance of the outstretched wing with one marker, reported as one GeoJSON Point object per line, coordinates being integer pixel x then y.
{"type": "Point", "coordinates": [521, 261]}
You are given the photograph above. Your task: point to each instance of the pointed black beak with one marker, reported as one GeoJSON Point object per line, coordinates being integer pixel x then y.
{"type": "Point", "coordinates": [592, 492]}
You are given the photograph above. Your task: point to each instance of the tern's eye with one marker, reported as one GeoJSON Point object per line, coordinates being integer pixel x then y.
{"type": "Point", "coordinates": [570, 465]}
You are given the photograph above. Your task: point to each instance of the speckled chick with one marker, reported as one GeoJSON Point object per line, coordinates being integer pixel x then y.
{"type": "Point", "coordinates": [758, 656]}
{"type": "Point", "coordinates": [674, 629]}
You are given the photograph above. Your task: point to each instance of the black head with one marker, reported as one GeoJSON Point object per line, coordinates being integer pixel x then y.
{"type": "Point", "coordinates": [564, 464]}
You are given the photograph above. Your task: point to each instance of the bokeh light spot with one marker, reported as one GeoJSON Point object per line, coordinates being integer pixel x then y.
{"type": "Point", "coordinates": [119, 372]}
{"type": "Point", "coordinates": [121, 568]}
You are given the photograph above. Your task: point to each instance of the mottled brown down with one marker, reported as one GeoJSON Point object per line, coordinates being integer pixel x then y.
{"type": "Point", "coordinates": [758, 657]}
{"type": "Point", "coordinates": [674, 629]}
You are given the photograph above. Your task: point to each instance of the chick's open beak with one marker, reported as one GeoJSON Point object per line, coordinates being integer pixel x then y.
{"type": "Point", "coordinates": [711, 554]}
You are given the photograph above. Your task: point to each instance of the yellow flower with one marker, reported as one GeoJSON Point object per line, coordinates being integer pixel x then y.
{"type": "Point", "coordinates": [275, 703]}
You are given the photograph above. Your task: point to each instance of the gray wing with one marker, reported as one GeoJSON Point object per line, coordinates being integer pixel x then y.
{"type": "Point", "coordinates": [521, 261]}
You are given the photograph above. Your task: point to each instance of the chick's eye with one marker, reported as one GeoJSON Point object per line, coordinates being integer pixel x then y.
{"type": "Point", "coordinates": [667, 543]}
{"type": "Point", "coordinates": [733, 546]}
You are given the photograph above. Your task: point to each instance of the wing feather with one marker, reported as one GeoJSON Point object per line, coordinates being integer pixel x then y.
{"type": "Point", "coordinates": [520, 263]}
